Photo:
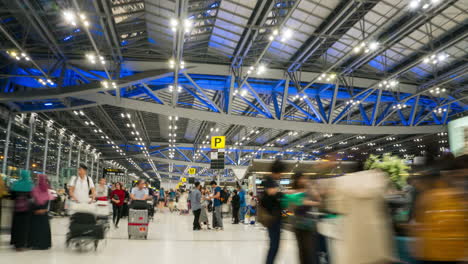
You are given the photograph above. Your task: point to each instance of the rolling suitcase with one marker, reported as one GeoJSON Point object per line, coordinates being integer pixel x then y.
{"type": "Point", "coordinates": [138, 224]}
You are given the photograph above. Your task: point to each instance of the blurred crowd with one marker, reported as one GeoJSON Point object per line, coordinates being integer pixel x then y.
{"type": "Point", "coordinates": [362, 217]}
{"type": "Point", "coordinates": [359, 217]}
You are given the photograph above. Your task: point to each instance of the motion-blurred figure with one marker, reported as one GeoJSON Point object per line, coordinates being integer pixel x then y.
{"type": "Point", "coordinates": [305, 225]}
{"type": "Point", "coordinates": [21, 193]}
{"type": "Point", "coordinates": [235, 202]}
{"type": "Point", "coordinates": [270, 209]}
{"type": "Point", "coordinates": [39, 236]}
{"type": "Point", "coordinates": [366, 236]}
{"type": "Point", "coordinates": [441, 216]}
{"type": "Point", "coordinates": [118, 199]}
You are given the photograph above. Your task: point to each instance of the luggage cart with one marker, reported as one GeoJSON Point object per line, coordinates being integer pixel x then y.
{"type": "Point", "coordinates": [138, 223]}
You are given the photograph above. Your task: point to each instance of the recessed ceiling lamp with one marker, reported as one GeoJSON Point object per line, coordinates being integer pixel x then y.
{"type": "Point", "coordinates": [327, 77]}
{"type": "Point", "coordinates": [435, 58]}
{"type": "Point", "coordinates": [366, 47]}
{"type": "Point", "coordinates": [388, 83]}
{"type": "Point", "coordinates": [437, 90]}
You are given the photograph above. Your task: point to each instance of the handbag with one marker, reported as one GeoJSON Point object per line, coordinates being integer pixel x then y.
{"type": "Point", "coordinates": [264, 217]}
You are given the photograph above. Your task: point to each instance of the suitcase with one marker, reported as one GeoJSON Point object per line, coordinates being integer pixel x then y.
{"type": "Point", "coordinates": [86, 230]}
{"type": "Point", "coordinates": [138, 216]}
{"type": "Point", "coordinates": [138, 224]}
{"type": "Point", "coordinates": [83, 218]}
{"type": "Point", "coordinates": [137, 230]}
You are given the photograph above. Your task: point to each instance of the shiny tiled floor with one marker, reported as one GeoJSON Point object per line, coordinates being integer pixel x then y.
{"type": "Point", "coordinates": [171, 240]}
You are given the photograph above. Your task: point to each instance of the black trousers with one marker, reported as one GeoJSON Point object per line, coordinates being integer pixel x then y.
{"type": "Point", "coordinates": [235, 214]}
{"type": "Point", "coordinates": [116, 214]}
{"type": "Point", "coordinates": [196, 219]}
{"type": "Point", "coordinates": [307, 243]}
{"type": "Point", "coordinates": [274, 232]}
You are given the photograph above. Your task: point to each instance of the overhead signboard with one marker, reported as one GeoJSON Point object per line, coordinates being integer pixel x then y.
{"type": "Point", "coordinates": [192, 171]}
{"type": "Point", "coordinates": [184, 179]}
{"type": "Point", "coordinates": [218, 142]}
{"type": "Point", "coordinates": [217, 159]}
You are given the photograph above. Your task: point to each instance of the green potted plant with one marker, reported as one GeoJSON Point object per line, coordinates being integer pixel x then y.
{"type": "Point", "coordinates": [392, 165]}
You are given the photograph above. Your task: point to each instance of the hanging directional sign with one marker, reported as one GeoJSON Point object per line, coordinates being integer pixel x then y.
{"type": "Point", "coordinates": [218, 142]}
{"type": "Point", "coordinates": [217, 159]}
{"type": "Point", "coordinates": [192, 171]}
{"type": "Point", "coordinates": [184, 179]}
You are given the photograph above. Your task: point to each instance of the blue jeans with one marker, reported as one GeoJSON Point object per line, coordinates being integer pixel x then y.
{"type": "Point", "coordinates": [274, 232]}
{"type": "Point", "coordinates": [242, 212]}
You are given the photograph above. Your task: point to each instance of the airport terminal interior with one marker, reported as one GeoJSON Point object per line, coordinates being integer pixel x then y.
{"type": "Point", "coordinates": [234, 131]}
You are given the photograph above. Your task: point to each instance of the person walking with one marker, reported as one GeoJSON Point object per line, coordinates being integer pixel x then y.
{"type": "Point", "coordinates": [139, 192]}
{"type": "Point", "coordinates": [117, 198]}
{"type": "Point", "coordinates": [102, 191]}
{"type": "Point", "coordinates": [39, 235]}
{"type": "Point", "coordinates": [21, 193]}
{"type": "Point", "coordinates": [195, 201]}
{"type": "Point", "coordinates": [172, 200]}
{"type": "Point", "coordinates": [235, 202]}
{"type": "Point", "coordinates": [182, 205]}
{"type": "Point", "coordinates": [81, 187]}
{"type": "Point", "coordinates": [242, 203]}
{"type": "Point", "coordinates": [366, 226]}
{"type": "Point", "coordinates": [161, 199]}
{"type": "Point", "coordinates": [217, 214]}
{"type": "Point", "coordinates": [302, 200]}
{"type": "Point", "coordinates": [270, 206]}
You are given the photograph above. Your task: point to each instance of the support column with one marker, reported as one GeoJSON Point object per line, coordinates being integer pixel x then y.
{"type": "Point", "coordinates": [32, 126]}
{"type": "Point", "coordinates": [97, 165]}
{"type": "Point", "coordinates": [72, 139]}
{"type": "Point", "coordinates": [86, 152]}
{"type": "Point", "coordinates": [48, 129]}
{"type": "Point", "coordinates": [93, 152]}
{"type": "Point", "coordinates": [59, 155]}
{"type": "Point", "coordinates": [11, 118]}
{"type": "Point", "coordinates": [254, 185]}
{"type": "Point", "coordinates": [78, 161]}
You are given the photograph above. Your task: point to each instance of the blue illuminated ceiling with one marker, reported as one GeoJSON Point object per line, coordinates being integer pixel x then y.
{"type": "Point", "coordinates": [296, 41]}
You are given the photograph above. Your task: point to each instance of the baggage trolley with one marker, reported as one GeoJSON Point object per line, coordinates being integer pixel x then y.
{"type": "Point", "coordinates": [138, 221]}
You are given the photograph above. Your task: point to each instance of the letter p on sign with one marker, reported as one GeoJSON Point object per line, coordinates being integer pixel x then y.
{"type": "Point", "coordinates": [218, 142]}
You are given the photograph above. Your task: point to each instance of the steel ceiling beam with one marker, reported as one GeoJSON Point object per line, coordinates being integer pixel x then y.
{"type": "Point", "coordinates": [339, 16]}
{"type": "Point", "coordinates": [76, 90]}
{"type": "Point", "coordinates": [254, 121]}
{"type": "Point", "coordinates": [257, 19]}
{"type": "Point", "coordinates": [41, 28]}
{"type": "Point", "coordinates": [181, 162]}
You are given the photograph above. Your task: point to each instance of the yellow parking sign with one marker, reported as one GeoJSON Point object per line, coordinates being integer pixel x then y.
{"type": "Point", "coordinates": [192, 171]}
{"type": "Point", "coordinates": [218, 142]}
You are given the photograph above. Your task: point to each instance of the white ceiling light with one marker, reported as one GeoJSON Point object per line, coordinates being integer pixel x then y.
{"type": "Point", "coordinates": [286, 34]}
{"type": "Point", "coordinates": [187, 25]}
{"type": "Point", "coordinates": [389, 83]}
{"type": "Point", "coordinates": [261, 69]}
{"type": "Point", "coordinates": [70, 17]}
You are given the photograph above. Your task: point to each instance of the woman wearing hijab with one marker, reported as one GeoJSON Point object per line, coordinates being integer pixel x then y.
{"type": "Point", "coordinates": [39, 236]}
{"type": "Point", "coordinates": [21, 193]}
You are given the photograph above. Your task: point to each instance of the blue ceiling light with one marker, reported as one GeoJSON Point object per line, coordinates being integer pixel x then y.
{"type": "Point", "coordinates": [48, 104]}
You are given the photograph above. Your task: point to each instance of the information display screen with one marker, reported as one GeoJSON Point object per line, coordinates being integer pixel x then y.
{"type": "Point", "coordinates": [458, 136]}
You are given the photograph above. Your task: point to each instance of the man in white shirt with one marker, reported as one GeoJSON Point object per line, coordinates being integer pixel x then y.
{"type": "Point", "coordinates": [81, 186]}
{"type": "Point", "coordinates": [139, 192]}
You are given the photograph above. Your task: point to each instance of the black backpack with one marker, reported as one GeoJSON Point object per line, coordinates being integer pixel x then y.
{"type": "Point", "coordinates": [224, 196]}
